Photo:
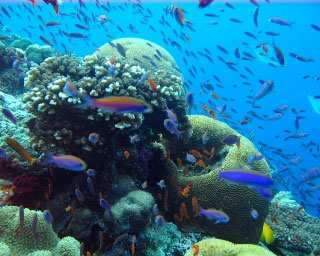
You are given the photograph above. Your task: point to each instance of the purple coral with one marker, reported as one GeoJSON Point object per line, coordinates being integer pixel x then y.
{"type": "Point", "coordinates": [141, 166]}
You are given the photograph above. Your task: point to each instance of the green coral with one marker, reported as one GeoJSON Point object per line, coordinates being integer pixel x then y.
{"type": "Point", "coordinates": [25, 244]}
{"type": "Point", "coordinates": [21, 43]}
{"type": "Point", "coordinates": [144, 51]}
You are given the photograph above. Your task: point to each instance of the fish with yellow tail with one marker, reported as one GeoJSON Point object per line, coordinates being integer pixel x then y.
{"type": "Point", "coordinates": [267, 234]}
{"type": "Point", "coordinates": [15, 145]}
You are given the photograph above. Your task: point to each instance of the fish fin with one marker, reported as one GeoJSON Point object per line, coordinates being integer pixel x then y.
{"type": "Point", "coordinates": [49, 158]}
{"type": "Point", "coordinates": [87, 101]}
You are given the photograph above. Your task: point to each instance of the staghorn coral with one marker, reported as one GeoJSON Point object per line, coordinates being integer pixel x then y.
{"type": "Point", "coordinates": [70, 126]}
{"type": "Point", "coordinates": [236, 200]}
{"type": "Point", "coordinates": [296, 230]}
{"type": "Point", "coordinates": [218, 247]}
{"type": "Point", "coordinates": [26, 244]}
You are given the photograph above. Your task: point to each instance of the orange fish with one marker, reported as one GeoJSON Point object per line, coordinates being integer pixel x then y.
{"type": "Point", "coordinates": [275, 220]}
{"type": "Point", "coordinates": [113, 60]}
{"type": "Point", "coordinates": [185, 171]}
{"type": "Point", "coordinates": [34, 3]}
{"type": "Point", "coordinates": [201, 164]}
{"type": "Point", "coordinates": [15, 145]}
{"type": "Point", "coordinates": [195, 153]}
{"type": "Point", "coordinates": [37, 206]}
{"type": "Point", "coordinates": [179, 161]}
{"type": "Point", "coordinates": [211, 153]}
{"type": "Point", "coordinates": [179, 191]}
{"type": "Point", "coordinates": [177, 217]}
{"type": "Point", "coordinates": [196, 249]}
{"type": "Point", "coordinates": [184, 212]}
{"type": "Point", "coordinates": [265, 48]}
{"type": "Point", "coordinates": [186, 190]}
{"type": "Point", "coordinates": [206, 152]}
{"type": "Point", "coordinates": [70, 208]}
{"type": "Point", "coordinates": [168, 155]}
{"type": "Point", "coordinates": [204, 106]}
{"type": "Point", "coordinates": [244, 121]}
{"type": "Point", "coordinates": [195, 206]}
{"type": "Point", "coordinates": [152, 84]}
{"type": "Point", "coordinates": [89, 253]}
{"type": "Point", "coordinates": [215, 96]}
{"type": "Point", "coordinates": [126, 154]}
{"type": "Point", "coordinates": [212, 114]}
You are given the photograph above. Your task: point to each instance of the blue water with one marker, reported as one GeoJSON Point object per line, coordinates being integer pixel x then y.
{"type": "Point", "coordinates": [290, 87]}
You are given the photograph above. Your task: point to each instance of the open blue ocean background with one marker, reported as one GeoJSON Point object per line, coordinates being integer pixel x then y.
{"type": "Point", "coordinates": [290, 87]}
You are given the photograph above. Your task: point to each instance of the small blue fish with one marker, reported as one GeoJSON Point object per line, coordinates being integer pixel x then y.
{"type": "Point", "coordinates": [90, 186]}
{"type": "Point", "coordinates": [161, 184]}
{"type": "Point", "coordinates": [267, 87]}
{"type": "Point", "coordinates": [47, 216]}
{"type": "Point", "coordinates": [9, 115]}
{"type": "Point", "coordinates": [3, 154]}
{"type": "Point", "coordinates": [171, 127]}
{"type": "Point", "coordinates": [265, 193]}
{"type": "Point", "coordinates": [191, 158]}
{"type": "Point", "coordinates": [135, 138]}
{"type": "Point", "coordinates": [79, 195]}
{"type": "Point", "coordinates": [68, 162]}
{"type": "Point", "coordinates": [112, 70]}
{"type": "Point", "coordinates": [254, 158]}
{"type": "Point", "coordinates": [160, 221]}
{"type": "Point", "coordinates": [91, 173]}
{"type": "Point", "coordinates": [254, 214]}
{"type": "Point", "coordinates": [172, 116]}
{"type": "Point", "coordinates": [155, 209]}
{"type": "Point", "coordinates": [142, 78]}
{"type": "Point", "coordinates": [93, 138]}
{"type": "Point", "coordinates": [104, 204]}
{"type": "Point", "coordinates": [217, 215]}
{"type": "Point", "coordinates": [205, 137]}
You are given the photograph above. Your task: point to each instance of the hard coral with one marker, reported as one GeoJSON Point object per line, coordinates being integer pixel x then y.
{"type": "Point", "coordinates": [25, 244]}
{"type": "Point", "coordinates": [70, 126]}
{"type": "Point", "coordinates": [218, 247]}
{"type": "Point", "coordinates": [235, 200]}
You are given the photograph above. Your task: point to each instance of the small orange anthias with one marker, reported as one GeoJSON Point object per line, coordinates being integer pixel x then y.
{"type": "Point", "coordinates": [185, 191]}
{"type": "Point", "coordinates": [196, 249]}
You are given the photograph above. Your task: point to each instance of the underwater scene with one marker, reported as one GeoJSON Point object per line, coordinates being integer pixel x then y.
{"type": "Point", "coordinates": [159, 128]}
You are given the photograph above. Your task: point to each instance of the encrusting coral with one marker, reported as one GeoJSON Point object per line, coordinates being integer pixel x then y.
{"type": "Point", "coordinates": [25, 243]}
{"type": "Point", "coordinates": [237, 201]}
{"type": "Point", "coordinates": [218, 247]}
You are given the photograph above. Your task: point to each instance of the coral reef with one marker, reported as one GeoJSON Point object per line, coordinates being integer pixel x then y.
{"type": "Point", "coordinates": [141, 165]}
{"type": "Point", "coordinates": [210, 192]}
{"type": "Point", "coordinates": [149, 55]}
{"type": "Point", "coordinates": [37, 53]}
{"type": "Point", "coordinates": [133, 212]}
{"type": "Point", "coordinates": [69, 125]}
{"type": "Point", "coordinates": [21, 43]}
{"type": "Point", "coordinates": [218, 247]}
{"type": "Point", "coordinates": [294, 229]}
{"type": "Point", "coordinates": [27, 244]}
{"type": "Point", "coordinates": [159, 241]}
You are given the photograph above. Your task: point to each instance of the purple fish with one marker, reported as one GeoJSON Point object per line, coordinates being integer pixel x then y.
{"type": "Point", "coordinates": [3, 154]}
{"type": "Point", "coordinates": [214, 214]}
{"type": "Point", "coordinates": [280, 21]}
{"type": "Point", "coordinates": [297, 136]}
{"type": "Point", "coordinates": [231, 139]}
{"type": "Point", "coordinates": [9, 115]}
{"type": "Point", "coordinates": [266, 88]}
{"type": "Point", "coordinates": [68, 162]}
{"type": "Point", "coordinates": [47, 216]}
{"type": "Point", "coordinates": [279, 54]}
{"type": "Point", "coordinates": [77, 35]}
{"type": "Point", "coordinates": [79, 195]}
{"type": "Point", "coordinates": [246, 177]}
{"type": "Point", "coordinates": [312, 174]}
{"type": "Point", "coordinates": [190, 99]}
{"type": "Point", "coordinates": [143, 77]}
{"type": "Point", "coordinates": [171, 127]}
{"type": "Point", "coordinates": [159, 220]}
{"type": "Point", "coordinates": [204, 3]}
{"type": "Point", "coordinates": [276, 116]}
{"type": "Point", "coordinates": [70, 89]}
{"type": "Point", "coordinates": [172, 116]}
{"type": "Point", "coordinates": [112, 70]}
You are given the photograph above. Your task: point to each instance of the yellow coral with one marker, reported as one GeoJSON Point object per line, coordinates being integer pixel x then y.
{"type": "Point", "coordinates": [218, 247]}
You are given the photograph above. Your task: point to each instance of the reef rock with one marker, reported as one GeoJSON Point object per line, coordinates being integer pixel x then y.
{"type": "Point", "coordinates": [37, 53]}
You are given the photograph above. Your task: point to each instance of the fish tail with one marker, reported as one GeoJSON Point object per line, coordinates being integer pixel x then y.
{"type": "Point", "coordinates": [32, 160]}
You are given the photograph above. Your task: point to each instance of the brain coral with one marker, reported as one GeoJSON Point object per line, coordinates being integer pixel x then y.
{"type": "Point", "coordinates": [59, 124]}
{"type": "Point", "coordinates": [218, 247]}
{"type": "Point", "coordinates": [236, 200]}
{"type": "Point", "coordinates": [25, 244]}
{"type": "Point", "coordinates": [150, 55]}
